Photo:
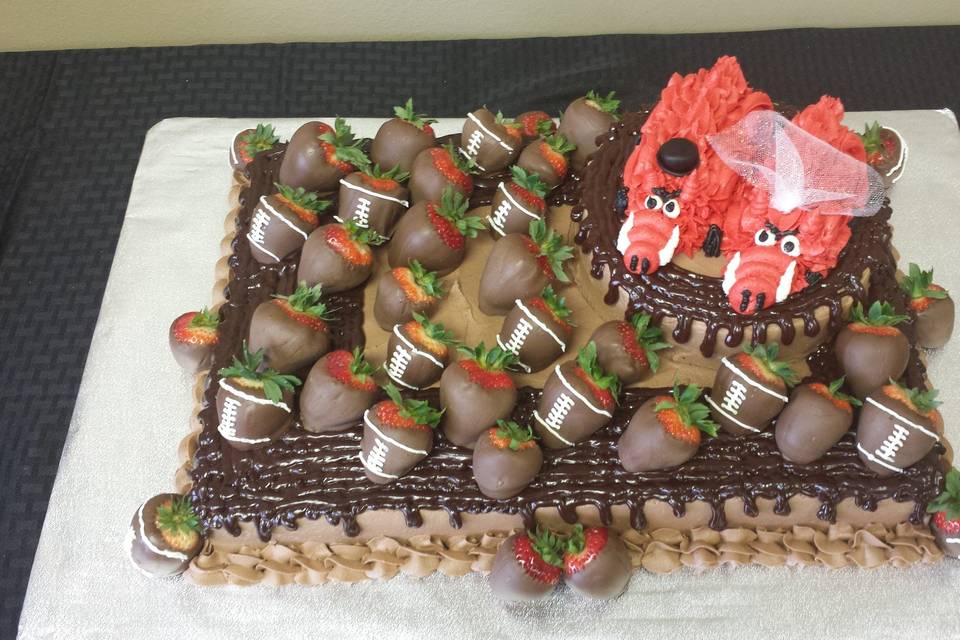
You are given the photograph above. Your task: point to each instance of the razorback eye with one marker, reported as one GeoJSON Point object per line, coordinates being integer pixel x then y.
{"type": "Point", "coordinates": [653, 202]}
{"type": "Point", "coordinates": [671, 208]}
{"type": "Point", "coordinates": [765, 238]}
{"type": "Point", "coordinates": [790, 245]}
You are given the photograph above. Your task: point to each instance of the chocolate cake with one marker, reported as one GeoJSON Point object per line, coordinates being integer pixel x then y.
{"type": "Point", "coordinates": [386, 493]}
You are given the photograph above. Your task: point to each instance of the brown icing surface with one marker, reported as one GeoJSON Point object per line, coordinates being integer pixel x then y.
{"type": "Point", "coordinates": [317, 475]}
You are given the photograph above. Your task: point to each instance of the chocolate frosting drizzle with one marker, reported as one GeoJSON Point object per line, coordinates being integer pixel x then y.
{"type": "Point", "coordinates": [313, 476]}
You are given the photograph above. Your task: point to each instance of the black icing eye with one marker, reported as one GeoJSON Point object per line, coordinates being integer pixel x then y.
{"type": "Point", "coordinates": [653, 202]}
{"type": "Point", "coordinates": [765, 238]}
{"type": "Point", "coordinates": [790, 245]}
{"type": "Point", "coordinates": [671, 208]}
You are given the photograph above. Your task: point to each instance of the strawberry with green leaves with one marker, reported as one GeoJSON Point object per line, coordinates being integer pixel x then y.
{"type": "Point", "coordinates": [537, 330]}
{"type": "Point", "coordinates": [164, 536]}
{"type": "Point", "coordinates": [585, 120]}
{"type": "Point", "coordinates": [475, 392]}
{"type": "Point", "coordinates": [397, 434]}
{"type": "Point", "coordinates": [945, 522]}
{"type": "Point", "coordinates": [506, 459]}
{"type": "Point", "coordinates": [338, 256]}
{"type": "Point", "coordinates": [253, 401]}
{"type": "Point", "coordinates": [490, 140]}
{"type": "Point", "coordinates": [535, 124]}
{"type": "Point", "coordinates": [437, 169]}
{"type": "Point", "coordinates": [192, 336]}
{"type": "Point", "coordinates": [578, 399]}
{"type": "Point", "coordinates": [897, 427]}
{"type": "Point", "coordinates": [528, 566]}
{"type": "Point", "coordinates": [886, 152]}
{"type": "Point", "coordinates": [250, 143]}
{"type": "Point", "coordinates": [435, 234]}
{"type": "Point", "coordinates": [519, 266]}
{"type": "Point", "coordinates": [548, 158]}
{"type": "Point", "coordinates": [517, 202]}
{"type": "Point", "coordinates": [400, 139]}
{"type": "Point", "coordinates": [666, 430]}
{"type": "Point", "coordinates": [417, 352]}
{"type": "Point", "coordinates": [373, 198]}
{"type": "Point", "coordinates": [403, 291]}
{"type": "Point", "coordinates": [871, 349]}
{"type": "Point", "coordinates": [814, 420]}
{"type": "Point", "coordinates": [629, 349]}
{"type": "Point", "coordinates": [339, 388]}
{"type": "Point", "coordinates": [282, 221]}
{"type": "Point", "coordinates": [750, 389]}
{"type": "Point", "coordinates": [318, 155]}
{"type": "Point", "coordinates": [596, 563]}
{"type": "Point", "coordinates": [292, 331]}
{"type": "Point", "coordinates": [933, 306]}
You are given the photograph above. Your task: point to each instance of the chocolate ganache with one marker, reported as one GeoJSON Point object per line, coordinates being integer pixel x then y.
{"type": "Point", "coordinates": [318, 475]}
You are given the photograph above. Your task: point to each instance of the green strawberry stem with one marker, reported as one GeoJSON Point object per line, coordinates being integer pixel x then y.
{"type": "Point", "coordinates": [260, 139]}
{"type": "Point", "coordinates": [834, 389]}
{"type": "Point", "coordinates": [556, 303]}
{"type": "Point", "coordinates": [406, 113]}
{"type": "Point", "coordinates": [508, 429]}
{"type": "Point", "coordinates": [419, 411]}
{"type": "Point", "coordinates": [691, 413]}
{"type": "Point", "coordinates": [306, 300]}
{"type": "Point", "coordinates": [435, 330]}
{"type": "Point", "coordinates": [453, 206]}
{"type": "Point", "coordinates": [608, 104]}
{"type": "Point", "coordinates": [247, 366]}
{"type": "Point", "coordinates": [551, 247]}
{"type": "Point", "coordinates": [587, 359]}
{"type": "Point", "coordinates": [949, 500]}
{"type": "Point", "coordinates": [466, 165]}
{"type": "Point", "coordinates": [529, 181]}
{"type": "Point", "coordinates": [428, 281]}
{"type": "Point", "coordinates": [204, 319]}
{"type": "Point", "coordinates": [649, 338]}
{"type": "Point", "coordinates": [396, 173]}
{"type": "Point", "coordinates": [178, 518]}
{"type": "Point", "coordinates": [880, 314]}
{"type": "Point", "coordinates": [360, 367]}
{"type": "Point", "coordinates": [766, 355]}
{"type": "Point", "coordinates": [560, 144]}
{"type": "Point", "coordinates": [918, 284]}
{"type": "Point", "coordinates": [925, 400]}
{"type": "Point", "coordinates": [302, 198]}
{"type": "Point", "coordinates": [872, 143]}
{"type": "Point", "coordinates": [548, 546]}
{"type": "Point", "coordinates": [493, 359]}
{"type": "Point", "coordinates": [363, 235]}
{"type": "Point", "coordinates": [346, 147]}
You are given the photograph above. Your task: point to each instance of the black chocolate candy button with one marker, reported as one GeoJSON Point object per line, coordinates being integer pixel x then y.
{"type": "Point", "coordinates": [678, 156]}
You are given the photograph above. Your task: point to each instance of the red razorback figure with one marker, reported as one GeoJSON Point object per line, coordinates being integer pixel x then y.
{"type": "Point", "coordinates": [677, 187]}
{"type": "Point", "coordinates": [771, 254]}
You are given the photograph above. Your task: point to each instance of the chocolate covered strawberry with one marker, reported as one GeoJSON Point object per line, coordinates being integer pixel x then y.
{"type": "Point", "coordinates": [750, 389]}
{"type": "Point", "coordinates": [400, 139]}
{"type": "Point", "coordinates": [536, 330]}
{"type": "Point", "coordinates": [815, 419]}
{"type": "Point", "coordinates": [373, 199]}
{"type": "Point", "coordinates": [253, 402]}
{"type": "Point", "coordinates": [871, 349]}
{"type": "Point", "coordinates": [548, 159]}
{"type": "Point", "coordinates": [397, 434]}
{"type": "Point", "coordinates": [596, 564]}
{"type": "Point", "coordinates": [886, 152]}
{"type": "Point", "coordinates": [436, 169]}
{"type": "Point", "coordinates": [339, 388]}
{"type": "Point", "coordinates": [417, 353]}
{"type": "Point", "coordinates": [584, 120]}
{"type": "Point", "coordinates": [577, 400]}
{"type": "Point", "coordinates": [933, 306]}
{"type": "Point", "coordinates": [475, 392]}
{"type": "Point", "coordinates": [491, 141]}
{"type": "Point", "coordinates": [516, 203]}
{"type": "Point", "coordinates": [338, 256]}
{"type": "Point", "coordinates": [629, 349]}
{"type": "Point", "coordinates": [534, 124]}
{"type": "Point", "coordinates": [251, 142]}
{"type": "Point", "coordinates": [435, 234]}
{"type": "Point", "coordinates": [193, 336]}
{"type": "Point", "coordinates": [666, 430]}
{"type": "Point", "coordinates": [282, 222]}
{"type": "Point", "coordinates": [505, 460]}
{"type": "Point", "coordinates": [164, 536]}
{"type": "Point", "coordinates": [528, 566]}
{"type": "Point", "coordinates": [945, 522]}
{"type": "Point", "coordinates": [897, 427]}
{"type": "Point", "coordinates": [519, 266]}
{"type": "Point", "coordinates": [403, 291]}
{"type": "Point", "coordinates": [291, 330]}
{"type": "Point", "coordinates": [318, 155]}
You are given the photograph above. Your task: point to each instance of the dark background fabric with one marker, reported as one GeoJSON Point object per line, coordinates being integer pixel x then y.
{"type": "Point", "coordinates": [73, 125]}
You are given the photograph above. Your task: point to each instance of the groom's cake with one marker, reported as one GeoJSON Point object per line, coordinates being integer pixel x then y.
{"type": "Point", "coordinates": [418, 349]}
